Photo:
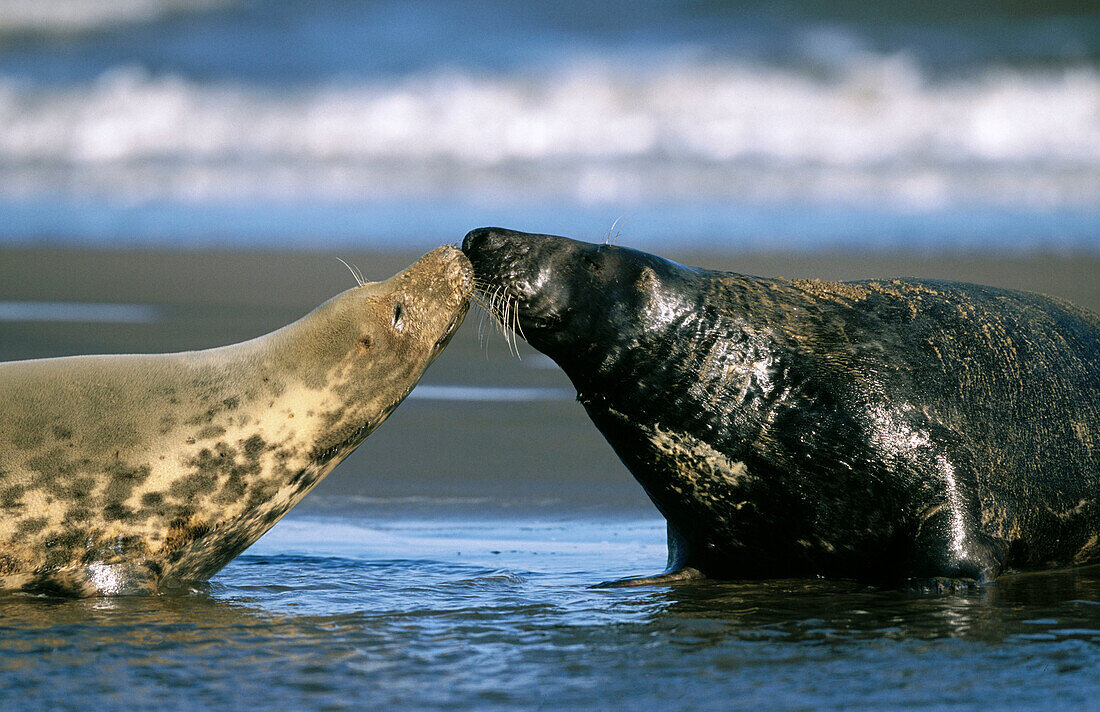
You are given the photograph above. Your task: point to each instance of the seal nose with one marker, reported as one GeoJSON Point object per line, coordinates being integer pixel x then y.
{"type": "Point", "coordinates": [475, 239]}
{"type": "Point", "coordinates": [487, 238]}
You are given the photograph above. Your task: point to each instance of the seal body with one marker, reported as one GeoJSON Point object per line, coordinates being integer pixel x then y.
{"type": "Point", "coordinates": [121, 474]}
{"type": "Point", "coordinates": [890, 431]}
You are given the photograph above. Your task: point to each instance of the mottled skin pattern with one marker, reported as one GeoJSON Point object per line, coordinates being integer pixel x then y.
{"type": "Point", "coordinates": [123, 474]}
{"type": "Point", "coordinates": [903, 431]}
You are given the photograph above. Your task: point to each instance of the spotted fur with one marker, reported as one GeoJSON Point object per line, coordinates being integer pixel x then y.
{"type": "Point", "coordinates": [122, 474]}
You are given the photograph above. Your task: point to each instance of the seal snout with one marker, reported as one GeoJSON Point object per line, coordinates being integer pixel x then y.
{"type": "Point", "coordinates": [483, 239]}
{"type": "Point", "coordinates": [450, 264]}
{"type": "Point", "coordinates": [501, 256]}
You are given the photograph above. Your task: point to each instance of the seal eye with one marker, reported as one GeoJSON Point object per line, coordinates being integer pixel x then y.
{"type": "Point", "coordinates": [399, 317]}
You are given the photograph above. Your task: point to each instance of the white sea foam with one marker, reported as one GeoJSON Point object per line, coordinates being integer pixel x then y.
{"type": "Point", "coordinates": [876, 131]}
{"type": "Point", "coordinates": [68, 16]}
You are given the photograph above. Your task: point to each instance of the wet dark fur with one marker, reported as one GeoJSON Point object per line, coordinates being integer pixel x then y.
{"type": "Point", "coordinates": [903, 430]}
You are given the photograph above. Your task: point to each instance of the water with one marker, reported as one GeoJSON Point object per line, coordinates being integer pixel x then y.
{"type": "Point", "coordinates": [499, 614]}
{"type": "Point", "coordinates": [799, 125]}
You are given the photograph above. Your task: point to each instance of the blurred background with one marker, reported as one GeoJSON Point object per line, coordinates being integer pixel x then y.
{"type": "Point", "coordinates": [178, 174]}
{"type": "Point", "coordinates": [797, 124]}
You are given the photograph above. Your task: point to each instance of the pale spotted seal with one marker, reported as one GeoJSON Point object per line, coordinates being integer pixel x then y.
{"type": "Point", "coordinates": [122, 474]}
{"type": "Point", "coordinates": [903, 431]}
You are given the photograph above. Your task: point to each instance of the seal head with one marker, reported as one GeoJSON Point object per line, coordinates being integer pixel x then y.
{"type": "Point", "coordinates": [907, 430]}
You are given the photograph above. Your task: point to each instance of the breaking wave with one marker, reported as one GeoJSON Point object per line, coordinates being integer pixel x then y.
{"type": "Point", "coordinates": [877, 130]}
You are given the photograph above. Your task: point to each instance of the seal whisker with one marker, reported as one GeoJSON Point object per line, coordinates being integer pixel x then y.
{"type": "Point", "coordinates": [607, 239]}
{"type": "Point", "coordinates": [478, 299]}
{"type": "Point", "coordinates": [503, 309]}
{"type": "Point", "coordinates": [354, 272]}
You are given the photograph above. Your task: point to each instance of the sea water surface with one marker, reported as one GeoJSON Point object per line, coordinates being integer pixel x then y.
{"type": "Point", "coordinates": [484, 614]}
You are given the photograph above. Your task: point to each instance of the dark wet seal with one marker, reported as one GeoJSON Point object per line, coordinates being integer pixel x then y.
{"type": "Point", "coordinates": [901, 432]}
{"type": "Point", "coordinates": [121, 474]}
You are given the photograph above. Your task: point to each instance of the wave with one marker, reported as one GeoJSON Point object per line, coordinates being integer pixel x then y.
{"type": "Point", "coordinates": [75, 16]}
{"type": "Point", "coordinates": [592, 132]}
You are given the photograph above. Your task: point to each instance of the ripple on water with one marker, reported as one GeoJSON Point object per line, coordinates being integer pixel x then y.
{"type": "Point", "coordinates": [473, 629]}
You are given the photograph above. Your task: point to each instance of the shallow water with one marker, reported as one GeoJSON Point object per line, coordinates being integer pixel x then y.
{"type": "Point", "coordinates": [443, 613]}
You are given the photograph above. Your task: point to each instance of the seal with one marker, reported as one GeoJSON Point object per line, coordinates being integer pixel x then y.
{"type": "Point", "coordinates": [904, 432]}
{"type": "Point", "coordinates": [132, 473]}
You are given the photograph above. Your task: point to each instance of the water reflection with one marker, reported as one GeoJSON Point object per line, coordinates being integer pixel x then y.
{"type": "Point", "coordinates": [431, 634]}
{"type": "Point", "coordinates": [1062, 604]}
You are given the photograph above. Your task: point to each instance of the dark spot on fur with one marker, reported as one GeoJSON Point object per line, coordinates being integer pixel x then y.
{"type": "Point", "coordinates": [230, 403]}
{"type": "Point", "coordinates": [261, 492]}
{"type": "Point", "coordinates": [152, 499]}
{"type": "Point", "coordinates": [61, 548]}
{"type": "Point", "coordinates": [78, 514]}
{"type": "Point", "coordinates": [115, 512]}
{"type": "Point", "coordinates": [12, 496]}
{"type": "Point", "coordinates": [190, 486]}
{"type": "Point", "coordinates": [80, 488]}
{"type": "Point", "coordinates": [181, 533]}
{"type": "Point", "coordinates": [209, 466]}
{"type": "Point", "coordinates": [123, 480]}
{"type": "Point", "coordinates": [62, 433]}
{"type": "Point", "coordinates": [236, 485]}
{"type": "Point", "coordinates": [32, 525]}
{"type": "Point", "coordinates": [205, 461]}
{"type": "Point", "coordinates": [53, 465]}
{"type": "Point", "coordinates": [124, 473]}
{"type": "Point", "coordinates": [9, 564]}
{"type": "Point", "coordinates": [210, 431]}
{"type": "Point", "coordinates": [254, 446]}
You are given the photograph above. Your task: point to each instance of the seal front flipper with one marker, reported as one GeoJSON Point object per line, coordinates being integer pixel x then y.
{"type": "Point", "coordinates": [678, 569]}
{"type": "Point", "coordinates": [949, 555]}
